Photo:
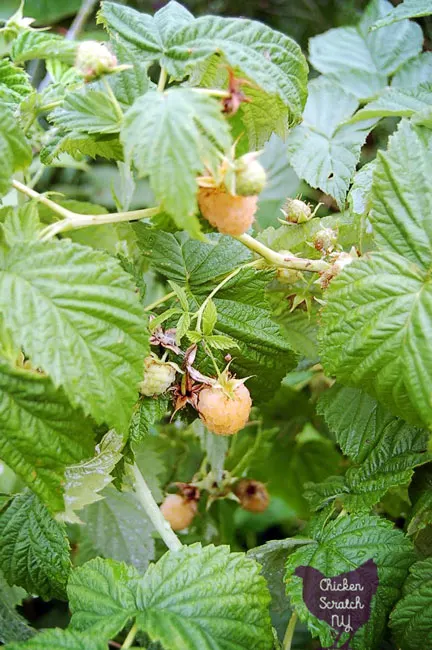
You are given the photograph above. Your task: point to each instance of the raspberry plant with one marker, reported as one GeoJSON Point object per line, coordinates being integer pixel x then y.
{"type": "Point", "coordinates": [255, 359]}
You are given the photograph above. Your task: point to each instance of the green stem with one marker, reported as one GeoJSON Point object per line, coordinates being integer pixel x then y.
{"type": "Point", "coordinates": [199, 314]}
{"type": "Point", "coordinates": [289, 634]}
{"type": "Point", "coordinates": [213, 92]}
{"type": "Point", "coordinates": [284, 261]}
{"type": "Point", "coordinates": [73, 220]}
{"type": "Point", "coordinates": [163, 78]}
{"type": "Point", "coordinates": [153, 512]}
{"type": "Point", "coordinates": [130, 637]}
{"type": "Point", "coordinates": [159, 301]}
{"type": "Point", "coordinates": [244, 462]}
{"type": "Point", "coordinates": [113, 98]}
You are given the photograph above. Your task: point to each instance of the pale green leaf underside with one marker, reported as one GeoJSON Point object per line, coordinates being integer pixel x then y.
{"type": "Point", "coordinates": [401, 201]}
{"type": "Point", "coordinates": [323, 150]}
{"type": "Point", "coordinates": [407, 9]}
{"type": "Point", "coordinates": [375, 330]}
{"type": "Point", "coordinates": [172, 137]}
{"type": "Point", "coordinates": [410, 620]}
{"type": "Point", "coordinates": [270, 59]}
{"type": "Point", "coordinates": [40, 433]}
{"type": "Point", "coordinates": [40, 45]}
{"type": "Point", "coordinates": [119, 528]}
{"type": "Point", "coordinates": [81, 299]}
{"type": "Point", "coordinates": [384, 448]}
{"type": "Point", "coordinates": [342, 546]}
{"type": "Point", "coordinates": [196, 598]}
{"type": "Point", "coordinates": [87, 112]}
{"type": "Point", "coordinates": [35, 551]}
{"type": "Point", "coordinates": [13, 627]}
{"type": "Point", "coordinates": [397, 102]}
{"type": "Point", "coordinates": [357, 58]}
{"type": "Point", "coordinates": [57, 639]}
{"type": "Point", "coordinates": [414, 72]}
{"type": "Point", "coordinates": [84, 481]}
{"type": "Point", "coordinates": [15, 151]}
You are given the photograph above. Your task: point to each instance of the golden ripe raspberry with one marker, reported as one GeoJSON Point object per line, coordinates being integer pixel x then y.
{"type": "Point", "coordinates": [253, 495]}
{"type": "Point", "coordinates": [179, 511]}
{"type": "Point", "coordinates": [223, 414]}
{"type": "Point", "coordinates": [230, 214]}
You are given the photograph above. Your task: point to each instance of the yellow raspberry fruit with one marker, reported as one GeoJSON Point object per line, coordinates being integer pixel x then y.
{"type": "Point", "coordinates": [230, 214]}
{"type": "Point", "coordinates": [223, 414]}
{"type": "Point", "coordinates": [178, 511]}
{"type": "Point", "coordinates": [253, 495]}
{"type": "Point", "coordinates": [158, 376]}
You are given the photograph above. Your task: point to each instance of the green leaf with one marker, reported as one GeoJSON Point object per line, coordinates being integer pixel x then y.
{"type": "Point", "coordinates": [102, 596]}
{"type": "Point", "coordinates": [407, 9]}
{"type": "Point", "coordinates": [119, 528]}
{"type": "Point", "coordinates": [172, 137]}
{"type": "Point", "coordinates": [13, 627]}
{"type": "Point", "coordinates": [145, 35]}
{"type": "Point", "coordinates": [14, 83]}
{"type": "Point", "coordinates": [199, 598]}
{"type": "Point", "coordinates": [323, 150]}
{"type": "Point", "coordinates": [397, 102]}
{"type": "Point", "coordinates": [150, 410]}
{"type": "Point", "coordinates": [421, 514]}
{"type": "Point", "coordinates": [40, 433]}
{"type": "Point", "coordinates": [384, 448]}
{"type": "Point", "coordinates": [273, 61]}
{"type": "Point", "coordinates": [15, 151]}
{"type": "Point", "coordinates": [181, 295]}
{"type": "Point", "coordinates": [374, 332]}
{"type": "Point", "coordinates": [40, 45]}
{"type": "Point", "coordinates": [242, 310]}
{"type": "Point", "coordinates": [57, 639]}
{"type": "Point", "coordinates": [47, 12]}
{"type": "Point", "coordinates": [101, 336]}
{"type": "Point", "coordinates": [410, 619]}
{"type": "Point", "coordinates": [90, 111]}
{"type": "Point", "coordinates": [414, 72]}
{"type": "Point", "coordinates": [84, 481]}
{"type": "Point", "coordinates": [357, 539]}
{"type": "Point", "coordinates": [21, 224]}
{"type": "Point", "coordinates": [178, 257]}
{"type": "Point", "coordinates": [359, 60]}
{"type": "Point", "coordinates": [401, 199]}
{"type": "Point", "coordinates": [35, 550]}
{"type": "Point", "coordinates": [78, 144]}
{"type": "Point", "coordinates": [209, 318]}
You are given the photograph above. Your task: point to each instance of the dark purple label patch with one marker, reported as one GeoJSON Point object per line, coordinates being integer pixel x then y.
{"type": "Point", "coordinates": [344, 601]}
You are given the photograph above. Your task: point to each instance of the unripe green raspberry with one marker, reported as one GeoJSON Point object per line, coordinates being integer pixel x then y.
{"type": "Point", "coordinates": [251, 177]}
{"type": "Point", "coordinates": [296, 211]}
{"type": "Point", "coordinates": [325, 239]}
{"type": "Point", "coordinates": [158, 376]}
{"type": "Point", "coordinates": [94, 59]}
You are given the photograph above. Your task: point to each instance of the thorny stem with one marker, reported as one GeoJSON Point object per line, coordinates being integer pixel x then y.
{"type": "Point", "coordinates": [159, 301]}
{"type": "Point", "coordinates": [73, 220]}
{"type": "Point", "coordinates": [289, 634]}
{"type": "Point", "coordinates": [163, 78]}
{"type": "Point", "coordinates": [130, 637]}
{"type": "Point", "coordinates": [153, 512]}
{"type": "Point", "coordinates": [284, 261]}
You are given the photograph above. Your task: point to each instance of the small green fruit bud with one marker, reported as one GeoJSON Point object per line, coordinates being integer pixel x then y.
{"type": "Point", "coordinates": [296, 211]}
{"type": "Point", "coordinates": [325, 239]}
{"type": "Point", "coordinates": [94, 59]}
{"type": "Point", "coordinates": [250, 175]}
